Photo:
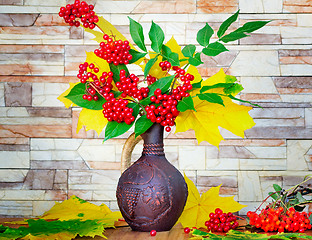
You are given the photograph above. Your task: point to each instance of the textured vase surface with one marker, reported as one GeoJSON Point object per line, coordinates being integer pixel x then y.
{"type": "Point", "coordinates": [151, 193]}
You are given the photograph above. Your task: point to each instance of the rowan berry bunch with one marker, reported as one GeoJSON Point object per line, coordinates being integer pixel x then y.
{"type": "Point", "coordinates": [79, 11]}
{"type": "Point", "coordinates": [116, 52]}
{"type": "Point", "coordinates": [128, 85]}
{"type": "Point", "coordinates": [221, 222]}
{"type": "Point", "coordinates": [280, 219]}
{"type": "Point", "coordinates": [117, 110]}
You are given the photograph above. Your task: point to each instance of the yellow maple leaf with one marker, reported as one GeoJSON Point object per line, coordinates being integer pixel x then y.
{"type": "Point", "coordinates": [76, 208]}
{"type": "Point", "coordinates": [92, 120]}
{"type": "Point", "coordinates": [68, 103]}
{"type": "Point", "coordinates": [197, 208]}
{"type": "Point", "coordinates": [58, 236]}
{"type": "Point", "coordinates": [208, 117]}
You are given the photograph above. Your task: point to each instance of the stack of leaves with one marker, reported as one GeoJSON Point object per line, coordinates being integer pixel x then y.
{"type": "Point", "coordinates": [64, 221]}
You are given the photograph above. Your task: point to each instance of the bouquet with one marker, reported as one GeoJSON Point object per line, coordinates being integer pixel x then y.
{"type": "Point", "coordinates": [170, 91]}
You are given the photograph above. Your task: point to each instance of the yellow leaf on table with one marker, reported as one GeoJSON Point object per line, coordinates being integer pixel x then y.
{"type": "Point", "coordinates": [58, 236]}
{"type": "Point", "coordinates": [91, 119]}
{"type": "Point", "coordinates": [68, 103]}
{"type": "Point", "coordinates": [197, 208]}
{"type": "Point", "coordinates": [76, 208]}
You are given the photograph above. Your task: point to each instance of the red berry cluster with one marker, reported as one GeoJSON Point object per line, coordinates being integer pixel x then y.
{"type": "Point", "coordinates": [128, 85]}
{"type": "Point", "coordinates": [280, 220]}
{"type": "Point", "coordinates": [221, 222]}
{"type": "Point", "coordinates": [116, 52]}
{"type": "Point", "coordinates": [79, 10]}
{"type": "Point", "coordinates": [117, 110]}
{"type": "Point", "coordinates": [165, 65]}
{"type": "Point", "coordinates": [150, 79]}
{"type": "Point", "coordinates": [84, 74]}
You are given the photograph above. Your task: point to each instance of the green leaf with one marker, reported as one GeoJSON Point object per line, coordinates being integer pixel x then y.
{"type": "Point", "coordinates": [186, 104]}
{"type": "Point", "coordinates": [172, 57]}
{"type": "Point", "coordinates": [163, 84]}
{"type": "Point", "coordinates": [157, 37]}
{"type": "Point", "coordinates": [227, 23]}
{"type": "Point", "coordinates": [233, 36]}
{"type": "Point", "coordinates": [204, 35]}
{"type": "Point", "coordinates": [218, 85]}
{"type": "Point", "coordinates": [244, 101]}
{"type": "Point", "coordinates": [211, 97]}
{"type": "Point", "coordinates": [136, 31]}
{"type": "Point", "coordinates": [189, 50]}
{"type": "Point", "coordinates": [195, 61]}
{"type": "Point", "coordinates": [116, 70]}
{"type": "Point", "coordinates": [197, 85]}
{"type": "Point", "coordinates": [149, 65]}
{"type": "Point", "coordinates": [115, 129]}
{"type": "Point", "coordinates": [213, 49]}
{"type": "Point", "coordinates": [75, 95]}
{"type": "Point", "coordinates": [141, 125]}
{"type": "Point", "coordinates": [273, 195]}
{"type": "Point", "coordinates": [252, 26]}
{"type": "Point", "coordinates": [277, 188]}
{"type": "Point", "coordinates": [300, 198]}
{"type": "Point", "coordinates": [234, 89]}
{"type": "Point", "coordinates": [136, 55]}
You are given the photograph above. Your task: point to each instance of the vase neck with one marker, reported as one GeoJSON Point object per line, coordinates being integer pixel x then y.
{"type": "Point", "coordinates": [153, 141]}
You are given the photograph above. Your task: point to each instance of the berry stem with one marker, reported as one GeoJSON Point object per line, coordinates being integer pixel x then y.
{"type": "Point", "coordinates": [95, 88]}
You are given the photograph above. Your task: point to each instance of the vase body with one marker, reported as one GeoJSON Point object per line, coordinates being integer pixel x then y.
{"type": "Point", "coordinates": [151, 193]}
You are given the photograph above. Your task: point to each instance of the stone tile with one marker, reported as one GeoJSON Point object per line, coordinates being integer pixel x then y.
{"type": "Point", "coordinates": [191, 157]}
{"type": "Point", "coordinates": [280, 122]}
{"type": "Point", "coordinates": [296, 150]}
{"type": "Point", "coordinates": [76, 33]}
{"type": "Point", "coordinates": [116, 6]}
{"type": "Point", "coordinates": [35, 131]}
{"type": "Point", "coordinates": [267, 183]}
{"type": "Point", "coordinates": [15, 141]}
{"type": "Point", "coordinates": [61, 176]}
{"type": "Point", "coordinates": [2, 102]}
{"type": "Point", "coordinates": [296, 60]}
{"type": "Point", "coordinates": [261, 97]}
{"type": "Point", "coordinates": [188, 6]}
{"type": "Point", "coordinates": [218, 6]}
{"type": "Point", "coordinates": [104, 165]}
{"type": "Point", "coordinates": [267, 152]}
{"type": "Point", "coordinates": [39, 179]}
{"type": "Point", "coordinates": [17, 159]}
{"type": "Point", "coordinates": [58, 155]}
{"type": "Point", "coordinates": [18, 20]}
{"type": "Point", "coordinates": [264, 63]}
{"type": "Point", "coordinates": [31, 69]}
{"type": "Point", "coordinates": [45, 94]}
{"type": "Point", "coordinates": [10, 48]}
{"type": "Point", "coordinates": [250, 206]}
{"type": "Point", "coordinates": [248, 186]}
{"type": "Point", "coordinates": [296, 70]}
{"type": "Point", "coordinates": [224, 191]}
{"type": "Point", "coordinates": [278, 133]}
{"type": "Point", "coordinates": [308, 117]}
{"type": "Point", "coordinates": [17, 94]}
{"type": "Point", "coordinates": [15, 208]}
{"type": "Point", "coordinates": [296, 32]}
{"type": "Point", "coordinates": [262, 164]}
{"type": "Point", "coordinates": [293, 82]}
{"type": "Point", "coordinates": [44, 144]}
{"type": "Point", "coordinates": [304, 20]}
{"type": "Point", "coordinates": [32, 195]}
{"type": "Point", "coordinates": [29, 79]}
{"type": "Point", "coordinates": [296, 98]}
{"type": "Point", "coordinates": [40, 207]}
{"type": "Point", "coordinates": [106, 177]}
{"type": "Point", "coordinates": [269, 113]}
{"type": "Point", "coordinates": [56, 3]}
{"type": "Point", "coordinates": [222, 164]}
{"type": "Point", "coordinates": [95, 150]}
{"type": "Point", "coordinates": [261, 6]}
{"type": "Point", "coordinates": [214, 181]}
{"type": "Point", "coordinates": [10, 175]}
{"type": "Point", "coordinates": [11, 2]}
{"type": "Point", "coordinates": [261, 39]}
{"type": "Point", "coordinates": [86, 195]}
{"type": "Point", "coordinates": [106, 195]}
{"type": "Point", "coordinates": [235, 152]}
{"type": "Point", "coordinates": [55, 112]}
{"type": "Point", "coordinates": [297, 6]}
{"type": "Point", "coordinates": [14, 147]}
{"type": "Point", "coordinates": [58, 164]}
{"type": "Point", "coordinates": [290, 181]}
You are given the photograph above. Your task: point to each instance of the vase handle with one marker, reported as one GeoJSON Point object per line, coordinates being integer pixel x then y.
{"type": "Point", "coordinates": [127, 150]}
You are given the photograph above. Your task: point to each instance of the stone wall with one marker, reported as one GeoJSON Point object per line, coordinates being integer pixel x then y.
{"type": "Point", "coordinates": [43, 159]}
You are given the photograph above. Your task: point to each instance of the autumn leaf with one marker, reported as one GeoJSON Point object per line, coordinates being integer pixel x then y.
{"type": "Point", "coordinates": [210, 116]}
{"type": "Point", "coordinates": [197, 208]}
{"type": "Point", "coordinates": [175, 47]}
{"type": "Point", "coordinates": [68, 103]}
{"type": "Point", "coordinates": [92, 120]}
{"type": "Point", "coordinates": [98, 62]}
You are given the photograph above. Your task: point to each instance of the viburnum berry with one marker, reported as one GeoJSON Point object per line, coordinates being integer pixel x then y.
{"type": "Point", "coordinates": [117, 110]}
{"type": "Point", "coordinates": [221, 222]}
{"type": "Point", "coordinates": [187, 230]}
{"type": "Point", "coordinates": [79, 11]}
{"type": "Point", "coordinates": [116, 52]}
{"type": "Point", "coordinates": [153, 233]}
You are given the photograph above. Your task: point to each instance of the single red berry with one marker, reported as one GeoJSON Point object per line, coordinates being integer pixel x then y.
{"type": "Point", "coordinates": [187, 230]}
{"type": "Point", "coordinates": [153, 233]}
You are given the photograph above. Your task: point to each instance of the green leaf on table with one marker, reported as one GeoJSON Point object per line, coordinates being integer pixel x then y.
{"type": "Point", "coordinates": [211, 97]}
{"type": "Point", "coordinates": [149, 65]}
{"type": "Point", "coordinates": [163, 84]}
{"type": "Point", "coordinates": [157, 37]}
{"type": "Point", "coordinates": [213, 49]}
{"type": "Point", "coordinates": [136, 55]}
{"type": "Point", "coordinates": [115, 129]}
{"type": "Point", "coordinates": [189, 50]}
{"type": "Point", "coordinates": [116, 70]}
{"type": "Point", "coordinates": [195, 61]}
{"type": "Point", "coordinates": [141, 125]}
{"type": "Point", "coordinates": [233, 36]}
{"type": "Point", "coordinates": [204, 35]}
{"type": "Point", "coordinates": [186, 104]}
{"type": "Point", "coordinates": [136, 31]}
{"type": "Point", "coordinates": [226, 24]}
{"type": "Point", "coordinates": [76, 93]}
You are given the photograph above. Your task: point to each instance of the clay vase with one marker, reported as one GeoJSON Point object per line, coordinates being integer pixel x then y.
{"type": "Point", "coordinates": [151, 193]}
